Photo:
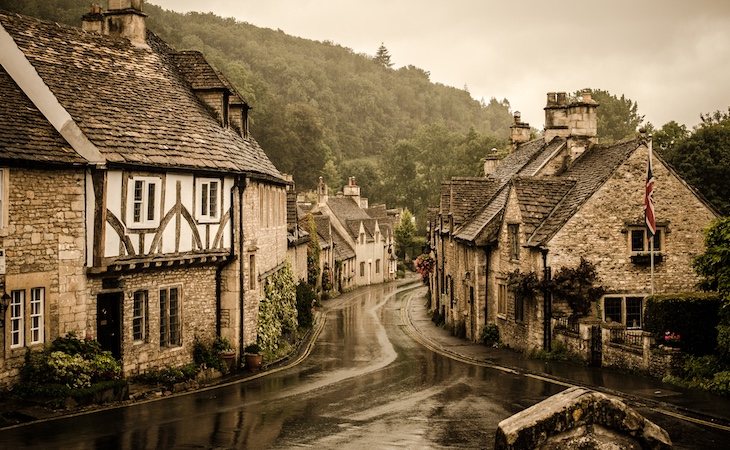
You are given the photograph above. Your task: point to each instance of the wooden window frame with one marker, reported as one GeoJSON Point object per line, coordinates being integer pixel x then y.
{"type": "Point", "coordinates": [144, 202]}
{"type": "Point", "coordinates": [140, 316]}
{"type": "Point", "coordinates": [513, 238]}
{"type": "Point", "coordinates": [17, 318]}
{"type": "Point", "coordinates": [209, 207]}
{"type": "Point", "coordinates": [37, 315]}
{"type": "Point", "coordinates": [167, 339]}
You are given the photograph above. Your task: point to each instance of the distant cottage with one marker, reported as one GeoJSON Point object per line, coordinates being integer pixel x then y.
{"type": "Point", "coordinates": [552, 201]}
{"type": "Point", "coordinates": [135, 206]}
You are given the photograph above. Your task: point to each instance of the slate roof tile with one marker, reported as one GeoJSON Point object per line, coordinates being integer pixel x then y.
{"type": "Point", "coordinates": [132, 102]}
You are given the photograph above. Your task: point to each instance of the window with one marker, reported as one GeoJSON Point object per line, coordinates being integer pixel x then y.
{"type": "Point", "coordinates": [640, 238]}
{"type": "Point", "coordinates": [139, 316]}
{"type": "Point", "coordinates": [377, 266]}
{"type": "Point", "coordinates": [626, 310]}
{"type": "Point", "coordinates": [519, 308]}
{"type": "Point", "coordinates": [513, 231]}
{"type": "Point", "coordinates": [362, 238]}
{"type": "Point", "coordinates": [362, 269]}
{"type": "Point", "coordinates": [17, 315]}
{"type": "Point", "coordinates": [3, 198]}
{"type": "Point", "coordinates": [170, 317]}
{"type": "Point", "coordinates": [252, 272]}
{"type": "Point", "coordinates": [37, 303]}
{"type": "Point", "coordinates": [209, 199]}
{"type": "Point", "coordinates": [144, 195]}
{"type": "Point", "coordinates": [502, 299]}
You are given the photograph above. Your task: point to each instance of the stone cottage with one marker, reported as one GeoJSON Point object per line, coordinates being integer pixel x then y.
{"type": "Point", "coordinates": [137, 209]}
{"type": "Point", "coordinates": [552, 201]}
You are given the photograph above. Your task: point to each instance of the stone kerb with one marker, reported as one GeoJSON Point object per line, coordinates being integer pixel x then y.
{"type": "Point", "coordinates": [579, 418]}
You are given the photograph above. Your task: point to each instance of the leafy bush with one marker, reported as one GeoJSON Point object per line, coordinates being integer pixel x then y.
{"type": "Point", "coordinates": [169, 376]}
{"type": "Point", "coordinates": [209, 354]}
{"type": "Point", "coordinates": [306, 297]}
{"type": "Point", "coordinates": [277, 310]}
{"type": "Point", "coordinates": [490, 335]}
{"type": "Point", "coordinates": [577, 287]}
{"type": "Point", "coordinates": [253, 349]}
{"type": "Point", "coordinates": [692, 316]}
{"type": "Point", "coordinates": [425, 265]}
{"type": "Point", "coordinates": [70, 362]}
{"type": "Point", "coordinates": [723, 333]}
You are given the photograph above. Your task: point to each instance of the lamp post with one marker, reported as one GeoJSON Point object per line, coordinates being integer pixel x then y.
{"type": "Point", "coordinates": [4, 303]}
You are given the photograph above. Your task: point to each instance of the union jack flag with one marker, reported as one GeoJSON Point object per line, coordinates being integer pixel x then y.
{"type": "Point", "coordinates": [649, 198]}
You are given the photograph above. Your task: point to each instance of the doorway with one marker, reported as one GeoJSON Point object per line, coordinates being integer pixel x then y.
{"type": "Point", "coordinates": [108, 322]}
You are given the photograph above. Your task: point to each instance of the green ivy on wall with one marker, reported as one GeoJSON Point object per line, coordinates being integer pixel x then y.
{"type": "Point", "coordinates": [277, 310]}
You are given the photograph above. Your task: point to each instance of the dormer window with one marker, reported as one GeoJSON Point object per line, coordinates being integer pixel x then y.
{"type": "Point", "coordinates": [144, 202]}
{"type": "Point", "coordinates": [208, 199]}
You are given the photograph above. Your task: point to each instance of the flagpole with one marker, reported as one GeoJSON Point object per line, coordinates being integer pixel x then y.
{"type": "Point", "coordinates": [651, 257]}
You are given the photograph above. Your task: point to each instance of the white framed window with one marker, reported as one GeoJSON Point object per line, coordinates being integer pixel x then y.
{"type": "Point", "coordinates": [209, 194]}
{"type": "Point", "coordinates": [170, 317]}
{"type": "Point", "coordinates": [17, 319]}
{"type": "Point", "coordinates": [143, 202]}
{"type": "Point", "coordinates": [37, 305]}
{"type": "Point", "coordinates": [139, 316]}
{"type": "Point", "coordinates": [3, 197]}
{"type": "Point", "coordinates": [639, 240]}
{"type": "Point", "coordinates": [627, 310]}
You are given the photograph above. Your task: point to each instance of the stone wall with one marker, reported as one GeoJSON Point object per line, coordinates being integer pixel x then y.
{"type": "Point", "coordinates": [598, 230]}
{"type": "Point", "coordinates": [45, 245]}
{"type": "Point", "coordinates": [197, 294]}
{"type": "Point", "coordinates": [265, 238]}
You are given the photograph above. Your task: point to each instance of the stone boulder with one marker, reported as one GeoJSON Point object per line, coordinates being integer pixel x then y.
{"type": "Point", "coordinates": [579, 418]}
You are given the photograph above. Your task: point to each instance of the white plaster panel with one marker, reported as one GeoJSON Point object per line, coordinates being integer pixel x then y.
{"type": "Point", "coordinates": [111, 242]}
{"type": "Point", "coordinates": [114, 193]}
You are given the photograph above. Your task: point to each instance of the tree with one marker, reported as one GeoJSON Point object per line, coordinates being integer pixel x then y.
{"type": "Point", "coordinates": [703, 160]}
{"type": "Point", "coordinates": [618, 117]}
{"type": "Point", "coordinates": [313, 252]}
{"type": "Point", "coordinates": [668, 136]}
{"type": "Point", "coordinates": [405, 233]}
{"type": "Point", "coordinates": [577, 287]}
{"type": "Point", "coordinates": [382, 57]}
{"type": "Point", "coordinates": [714, 264]}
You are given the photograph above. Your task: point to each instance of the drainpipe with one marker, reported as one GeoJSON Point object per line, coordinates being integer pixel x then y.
{"type": "Point", "coordinates": [547, 302]}
{"type": "Point", "coordinates": [241, 282]}
{"type": "Point", "coordinates": [486, 284]}
{"type": "Point", "coordinates": [219, 268]}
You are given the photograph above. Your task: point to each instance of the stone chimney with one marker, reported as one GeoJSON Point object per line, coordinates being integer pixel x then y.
{"type": "Point", "coordinates": [322, 194]}
{"type": "Point", "coordinates": [582, 123]}
{"type": "Point", "coordinates": [490, 165]}
{"type": "Point", "coordinates": [352, 190]}
{"type": "Point", "coordinates": [93, 21]}
{"type": "Point", "coordinates": [519, 131]}
{"type": "Point", "coordinates": [556, 116]}
{"type": "Point", "coordinates": [124, 18]}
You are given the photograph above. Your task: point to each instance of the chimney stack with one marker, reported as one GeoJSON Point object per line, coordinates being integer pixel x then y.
{"type": "Point", "coordinates": [124, 18]}
{"type": "Point", "coordinates": [322, 194]}
{"type": "Point", "coordinates": [519, 131]}
{"type": "Point", "coordinates": [352, 190]}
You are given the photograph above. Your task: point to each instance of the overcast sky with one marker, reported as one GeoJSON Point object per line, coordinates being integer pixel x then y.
{"type": "Point", "coordinates": [671, 56]}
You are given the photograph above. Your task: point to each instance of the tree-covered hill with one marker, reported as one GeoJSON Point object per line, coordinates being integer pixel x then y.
{"type": "Point", "coordinates": [313, 101]}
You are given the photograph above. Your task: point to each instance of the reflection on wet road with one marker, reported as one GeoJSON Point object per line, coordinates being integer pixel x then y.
{"type": "Point", "coordinates": [365, 384]}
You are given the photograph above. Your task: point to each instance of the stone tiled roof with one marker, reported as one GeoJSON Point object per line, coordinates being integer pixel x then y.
{"type": "Point", "coordinates": [291, 209]}
{"type": "Point", "coordinates": [377, 211]}
{"type": "Point", "coordinates": [468, 195]}
{"type": "Point", "coordinates": [589, 171]}
{"type": "Point", "coordinates": [511, 164]}
{"type": "Point", "coordinates": [445, 204]}
{"type": "Point", "coordinates": [543, 156]}
{"type": "Point", "coordinates": [131, 102]}
{"type": "Point", "coordinates": [481, 227]}
{"type": "Point", "coordinates": [343, 251]}
{"type": "Point", "coordinates": [322, 223]}
{"type": "Point", "coordinates": [537, 196]}
{"type": "Point", "coordinates": [348, 213]}
{"type": "Point", "coordinates": [25, 134]}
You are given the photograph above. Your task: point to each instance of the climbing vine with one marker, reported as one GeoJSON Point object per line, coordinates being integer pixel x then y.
{"type": "Point", "coordinates": [524, 285]}
{"type": "Point", "coordinates": [277, 310]}
{"type": "Point", "coordinates": [313, 251]}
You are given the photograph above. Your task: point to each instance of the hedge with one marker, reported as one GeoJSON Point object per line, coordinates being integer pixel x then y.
{"type": "Point", "coordinates": [692, 317]}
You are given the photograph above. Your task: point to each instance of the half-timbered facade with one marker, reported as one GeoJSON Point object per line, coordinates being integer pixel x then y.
{"type": "Point", "coordinates": [139, 209]}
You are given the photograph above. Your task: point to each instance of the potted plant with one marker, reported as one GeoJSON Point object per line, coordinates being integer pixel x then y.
{"type": "Point", "coordinates": [252, 356]}
{"type": "Point", "coordinates": [226, 353]}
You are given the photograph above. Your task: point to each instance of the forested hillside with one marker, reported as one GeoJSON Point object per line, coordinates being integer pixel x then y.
{"type": "Point", "coordinates": [319, 108]}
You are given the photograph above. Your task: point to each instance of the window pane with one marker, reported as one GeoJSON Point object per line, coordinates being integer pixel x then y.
{"type": "Point", "coordinates": [513, 231]}
{"type": "Point", "coordinates": [658, 241]}
{"type": "Point", "coordinates": [37, 297]}
{"type": "Point", "coordinates": [174, 318]}
{"type": "Point", "coordinates": [151, 201]}
{"type": "Point", "coordinates": [138, 315]}
{"type": "Point", "coordinates": [163, 317]}
{"type": "Point", "coordinates": [17, 301]}
{"type": "Point", "coordinates": [637, 240]}
{"type": "Point", "coordinates": [633, 312]}
{"type": "Point", "coordinates": [138, 186]}
{"type": "Point", "coordinates": [612, 309]}
{"type": "Point", "coordinates": [204, 199]}
{"type": "Point", "coordinates": [213, 199]}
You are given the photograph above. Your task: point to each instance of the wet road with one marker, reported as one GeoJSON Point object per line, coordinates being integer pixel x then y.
{"type": "Point", "coordinates": [365, 384]}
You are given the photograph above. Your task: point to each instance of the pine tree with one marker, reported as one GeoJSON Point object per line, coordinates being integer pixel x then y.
{"type": "Point", "coordinates": [382, 57]}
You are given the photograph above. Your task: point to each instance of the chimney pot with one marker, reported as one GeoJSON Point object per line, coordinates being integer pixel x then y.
{"type": "Point", "coordinates": [587, 96]}
{"type": "Point", "coordinates": [562, 98]}
{"type": "Point", "coordinates": [518, 117]}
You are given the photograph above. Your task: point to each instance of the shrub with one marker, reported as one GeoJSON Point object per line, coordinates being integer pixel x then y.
{"type": "Point", "coordinates": [425, 265]}
{"type": "Point", "coordinates": [723, 333]}
{"type": "Point", "coordinates": [306, 297]}
{"type": "Point", "coordinates": [73, 345]}
{"type": "Point", "coordinates": [169, 376]}
{"type": "Point", "coordinates": [577, 286]}
{"type": "Point", "coordinates": [692, 316]}
{"type": "Point", "coordinates": [437, 318]}
{"type": "Point", "coordinates": [208, 354]}
{"type": "Point", "coordinates": [490, 335]}
{"type": "Point", "coordinates": [277, 310]}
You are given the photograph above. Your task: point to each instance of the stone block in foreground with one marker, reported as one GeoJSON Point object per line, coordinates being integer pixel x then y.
{"type": "Point", "coordinates": [579, 418]}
